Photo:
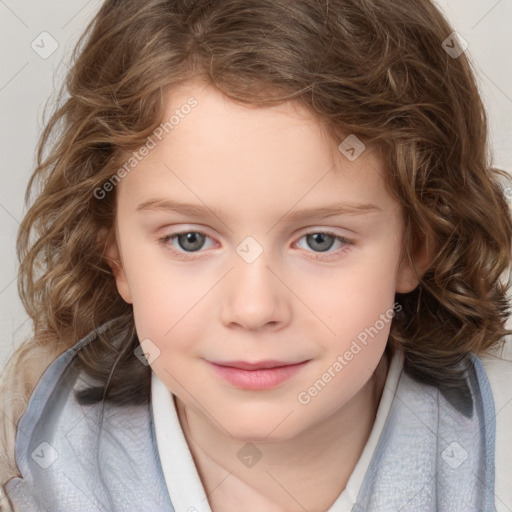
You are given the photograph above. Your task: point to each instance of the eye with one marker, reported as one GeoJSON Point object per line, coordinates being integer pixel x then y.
{"type": "Point", "coordinates": [323, 241]}
{"type": "Point", "coordinates": [186, 242]}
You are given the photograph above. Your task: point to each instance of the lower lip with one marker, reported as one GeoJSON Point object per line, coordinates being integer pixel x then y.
{"type": "Point", "coordinates": [257, 379]}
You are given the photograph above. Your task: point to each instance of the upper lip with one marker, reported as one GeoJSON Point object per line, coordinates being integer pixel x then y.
{"type": "Point", "coordinates": [244, 365]}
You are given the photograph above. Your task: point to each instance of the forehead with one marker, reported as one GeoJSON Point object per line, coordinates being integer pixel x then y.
{"type": "Point", "coordinates": [212, 147]}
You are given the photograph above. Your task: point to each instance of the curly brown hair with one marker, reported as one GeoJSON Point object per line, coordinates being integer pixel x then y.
{"type": "Point", "coordinates": [374, 68]}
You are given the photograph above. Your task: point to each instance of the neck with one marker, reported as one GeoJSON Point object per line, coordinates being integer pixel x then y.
{"type": "Point", "coordinates": [324, 455]}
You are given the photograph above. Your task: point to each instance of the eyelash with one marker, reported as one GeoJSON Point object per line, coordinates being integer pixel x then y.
{"type": "Point", "coordinates": [348, 244]}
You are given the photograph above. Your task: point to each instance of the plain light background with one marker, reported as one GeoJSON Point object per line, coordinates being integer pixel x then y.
{"type": "Point", "coordinates": [28, 77]}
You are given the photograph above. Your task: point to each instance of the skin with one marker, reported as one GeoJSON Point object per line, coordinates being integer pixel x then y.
{"type": "Point", "coordinates": [292, 303]}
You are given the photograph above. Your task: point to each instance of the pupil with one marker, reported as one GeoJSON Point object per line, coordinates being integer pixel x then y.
{"type": "Point", "coordinates": [194, 238]}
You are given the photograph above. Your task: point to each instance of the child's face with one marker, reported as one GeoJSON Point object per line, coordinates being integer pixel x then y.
{"type": "Point", "coordinates": [215, 298]}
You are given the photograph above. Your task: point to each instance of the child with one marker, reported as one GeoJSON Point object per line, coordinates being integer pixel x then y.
{"type": "Point", "coordinates": [264, 373]}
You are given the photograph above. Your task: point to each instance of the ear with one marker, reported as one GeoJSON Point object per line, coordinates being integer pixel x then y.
{"type": "Point", "coordinates": [113, 257]}
{"type": "Point", "coordinates": [407, 279]}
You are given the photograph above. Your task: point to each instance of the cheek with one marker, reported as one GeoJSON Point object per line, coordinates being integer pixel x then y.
{"type": "Point", "coordinates": [360, 319]}
{"type": "Point", "coordinates": [354, 299]}
{"type": "Point", "coordinates": [166, 313]}
{"type": "Point", "coordinates": [159, 297]}
{"type": "Point", "coordinates": [148, 273]}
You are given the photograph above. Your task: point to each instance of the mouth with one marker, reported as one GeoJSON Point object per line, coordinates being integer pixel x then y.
{"type": "Point", "coordinates": [256, 376]}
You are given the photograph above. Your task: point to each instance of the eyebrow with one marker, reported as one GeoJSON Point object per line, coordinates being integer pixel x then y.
{"type": "Point", "coordinates": [321, 212]}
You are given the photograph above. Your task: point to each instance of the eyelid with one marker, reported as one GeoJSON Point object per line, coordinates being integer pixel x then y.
{"type": "Point", "coordinates": [189, 228]}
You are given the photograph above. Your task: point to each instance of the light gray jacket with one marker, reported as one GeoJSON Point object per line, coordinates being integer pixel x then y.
{"type": "Point", "coordinates": [435, 453]}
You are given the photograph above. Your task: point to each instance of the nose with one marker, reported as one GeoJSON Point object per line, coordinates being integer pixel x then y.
{"type": "Point", "coordinates": [253, 296]}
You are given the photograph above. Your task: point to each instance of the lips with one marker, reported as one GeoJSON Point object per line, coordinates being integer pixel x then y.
{"type": "Point", "coordinates": [256, 376]}
{"type": "Point", "coordinates": [243, 365]}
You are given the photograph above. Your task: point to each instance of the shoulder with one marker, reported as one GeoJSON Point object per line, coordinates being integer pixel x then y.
{"type": "Point", "coordinates": [97, 443]}
{"type": "Point", "coordinates": [498, 366]}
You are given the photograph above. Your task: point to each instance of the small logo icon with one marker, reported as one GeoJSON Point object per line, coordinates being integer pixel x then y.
{"type": "Point", "coordinates": [455, 45]}
{"type": "Point", "coordinates": [147, 352]}
{"type": "Point", "coordinates": [249, 455]}
{"type": "Point", "coordinates": [454, 455]}
{"type": "Point", "coordinates": [45, 455]}
{"type": "Point", "coordinates": [352, 147]}
{"type": "Point", "coordinates": [249, 249]}
{"type": "Point", "coordinates": [44, 45]}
